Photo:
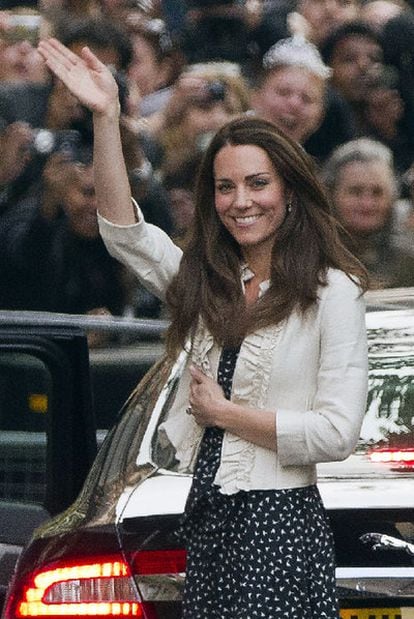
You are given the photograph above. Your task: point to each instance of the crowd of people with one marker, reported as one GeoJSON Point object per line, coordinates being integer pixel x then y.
{"type": "Point", "coordinates": [336, 77]}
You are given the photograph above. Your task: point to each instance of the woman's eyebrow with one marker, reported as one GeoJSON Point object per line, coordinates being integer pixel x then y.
{"type": "Point", "coordinates": [248, 177]}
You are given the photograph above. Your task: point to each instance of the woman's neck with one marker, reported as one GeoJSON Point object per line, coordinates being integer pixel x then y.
{"type": "Point", "coordinates": [259, 264]}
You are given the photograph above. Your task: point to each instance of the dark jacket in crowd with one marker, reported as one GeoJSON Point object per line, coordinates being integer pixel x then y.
{"type": "Point", "coordinates": [46, 267]}
{"type": "Point", "coordinates": [389, 266]}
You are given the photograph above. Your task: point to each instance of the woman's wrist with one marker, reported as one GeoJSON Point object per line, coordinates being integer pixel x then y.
{"type": "Point", "coordinates": [110, 114]}
{"type": "Point", "coordinates": [226, 413]}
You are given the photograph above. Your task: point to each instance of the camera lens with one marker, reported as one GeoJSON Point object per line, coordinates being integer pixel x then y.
{"type": "Point", "coordinates": [43, 141]}
{"type": "Point", "coordinates": [216, 91]}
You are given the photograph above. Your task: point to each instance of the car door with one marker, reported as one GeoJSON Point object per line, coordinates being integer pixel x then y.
{"type": "Point", "coordinates": [47, 428]}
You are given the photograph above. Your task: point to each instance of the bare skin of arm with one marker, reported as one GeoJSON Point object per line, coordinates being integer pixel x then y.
{"type": "Point", "coordinates": [92, 83]}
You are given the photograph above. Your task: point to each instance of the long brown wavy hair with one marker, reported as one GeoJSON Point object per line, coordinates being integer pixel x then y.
{"type": "Point", "coordinates": [208, 283]}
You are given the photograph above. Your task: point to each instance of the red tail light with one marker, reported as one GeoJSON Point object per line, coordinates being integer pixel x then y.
{"type": "Point", "coordinates": [159, 562]}
{"type": "Point", "coordinates": [98, 587]}
{"type": "Point", "coordinates": [402, 457]}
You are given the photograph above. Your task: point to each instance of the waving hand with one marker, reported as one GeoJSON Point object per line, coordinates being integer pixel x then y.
{"type": "Point", "coordinates": [85, 76]}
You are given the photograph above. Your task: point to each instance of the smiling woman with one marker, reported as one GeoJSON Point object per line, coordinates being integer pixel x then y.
{"type": "Point", "coordinates": [250, 202]}
{"type": "Point", "coordinates": [267, 303]}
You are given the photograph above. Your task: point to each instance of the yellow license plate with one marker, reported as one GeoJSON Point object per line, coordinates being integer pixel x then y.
{"type": "Point", "coordinates": [377, 613]}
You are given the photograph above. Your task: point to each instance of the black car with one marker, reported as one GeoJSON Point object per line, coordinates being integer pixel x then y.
{"type": "Point", "coordinates": [63, 379]}
{"type": "Point", "coordinates": [114, 552]}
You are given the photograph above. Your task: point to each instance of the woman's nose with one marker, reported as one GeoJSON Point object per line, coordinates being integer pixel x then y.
{"type": "Point", "coordinates": [242, 198]}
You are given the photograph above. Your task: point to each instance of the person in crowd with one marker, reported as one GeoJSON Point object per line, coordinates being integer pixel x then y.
{"type": "Point", "coordinates": [354, 53]}
{"type": "Point", "coordinates": [156, 62]}
{"type": "Point", "coordinates": [19, 60]}
{"type": "Point", "coordinates": [376, 13]}
{"type": "Point", "coordinates": [268, 23]}
{"type": "Point", "coordinates": [205, 96]}
{"type": "Point", "coordinates": [15, 146]}
{"type": "Point", "coordinates": [389, 118]}
{"type": "Point", "coordinates": [53, 258]}
{"type": "Point", "coordinates": [180, 186]}
{"type": "Point", "coordinates": [292, 90]}
{"type": "Point", "coordinates": [54, 108]}
{"type": "Point", "coordinates": [361, 180]}
{"type": "Point", "coordinates": [397, 41]}
{"type": "Point", "coordinates": [216, 31]}
{"type": "Point", "coordinates": [397, 38]}
{"type": "Point", "coordinates": [50, 105]}
{"type": "Point", "coordinates": [267, 302]}
{"type": "Point", "coordinates": [316, 19]}
{"type": "Point", "coordinates": [403, 228]}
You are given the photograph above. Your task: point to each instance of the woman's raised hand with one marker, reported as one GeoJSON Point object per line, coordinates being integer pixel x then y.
{"type": "Point", "coordinates": [85, 76]}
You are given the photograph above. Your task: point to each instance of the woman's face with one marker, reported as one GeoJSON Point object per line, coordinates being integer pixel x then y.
{"type": "Point", "coordinates": [363, 196]}
{"type": "Point", "coordinates": [249, 199]}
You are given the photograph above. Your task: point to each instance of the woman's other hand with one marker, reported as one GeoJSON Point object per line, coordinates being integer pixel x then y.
{"type": "Point", "coordinates": [87, 78]}
{"type": "Point", "coordinates": [206, 398]}
{"type": "Point", "coordinates": [210, 408]}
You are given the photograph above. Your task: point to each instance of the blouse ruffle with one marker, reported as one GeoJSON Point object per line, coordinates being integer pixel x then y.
{"type": "Point", "coordinates": [250, 388]}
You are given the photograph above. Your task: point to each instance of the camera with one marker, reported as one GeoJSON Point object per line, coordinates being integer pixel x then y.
{"type": "Point", "coordinates": [216, 91]}
{"type": "Point", "coordinates": [213, 92]}
{"type": "Point", "coordinates": [22, 27]}
{"type": "Point", "coordinates": [47, 142]}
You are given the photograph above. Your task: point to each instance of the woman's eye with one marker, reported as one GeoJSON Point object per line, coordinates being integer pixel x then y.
{"type": "Point", "coordinates": [259, 182]}
{"type": "Point", "coordinates": [224, 188]}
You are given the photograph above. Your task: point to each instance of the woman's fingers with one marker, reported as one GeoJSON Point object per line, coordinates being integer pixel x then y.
{"type": "Point", "coordinates": [58, 63]}
{"type": "Point", "coordinates": [54, 51]}
{"type": "Point", "coordinates": [56, 54]}
{"type": "Point", "coordinates": [197, 374]}
{"type": "Point", "coordinates": [93, 62]}
{"type": "Point", "coordinates": [89, 80]}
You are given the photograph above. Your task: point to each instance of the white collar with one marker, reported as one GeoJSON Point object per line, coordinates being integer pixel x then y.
{"type": "Point", "coordinates": [246, 274]}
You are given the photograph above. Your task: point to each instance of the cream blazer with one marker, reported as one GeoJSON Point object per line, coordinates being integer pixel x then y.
{"type": "Point", "coordinates": [311, 370]}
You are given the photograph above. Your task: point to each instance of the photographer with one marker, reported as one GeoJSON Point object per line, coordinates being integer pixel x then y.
{"type": "Point", "coordinates": [53, 257]}
{"type": "Point", "coordinates": [19, 35]}
{"type": "Point", "coordinates": [205, 96]}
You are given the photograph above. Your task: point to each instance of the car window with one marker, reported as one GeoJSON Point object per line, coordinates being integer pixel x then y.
{"type": "Point", "coordinates": [389, 418]}
{"type": "Point", "coordinates": [387, 434]}
{"type": "Point", "coordinates": [123, 461]}
{"type": "Point", "coordinates": [116, 370]}
{"type": "Point", "coordinates": [25, 396]}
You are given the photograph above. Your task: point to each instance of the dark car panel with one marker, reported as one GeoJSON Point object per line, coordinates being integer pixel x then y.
{"type": "Point", "coordinates": [54, 411]}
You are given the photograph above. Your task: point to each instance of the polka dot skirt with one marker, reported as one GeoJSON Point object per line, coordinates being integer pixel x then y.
{"type": "Point", "coordinates": [258, 554]}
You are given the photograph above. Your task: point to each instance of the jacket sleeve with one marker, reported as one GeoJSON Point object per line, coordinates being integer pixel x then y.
{"type": "Point", "coordinates": [146, 250]}
{"type": "Point", "coordinates": [330, 430]}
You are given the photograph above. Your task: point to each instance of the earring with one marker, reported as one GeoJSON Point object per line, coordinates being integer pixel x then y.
{"type": "Point", "coordinates": [289, 207]}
